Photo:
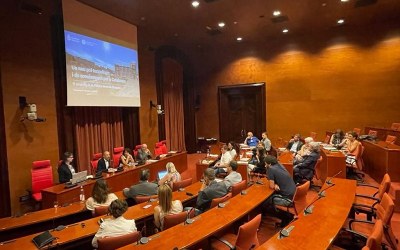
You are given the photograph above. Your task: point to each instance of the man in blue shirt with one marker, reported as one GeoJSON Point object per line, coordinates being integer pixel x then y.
{"type": "Point", "coordinates": [251, 140]}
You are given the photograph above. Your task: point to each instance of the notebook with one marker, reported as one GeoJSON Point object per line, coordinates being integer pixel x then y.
{"type": "Point", "coordinates": [161, 174]}
{"type": "Point", "coordinates": [43, 239]}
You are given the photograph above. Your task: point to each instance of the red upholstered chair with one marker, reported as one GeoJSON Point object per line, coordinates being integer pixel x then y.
{"type": "Point", "coordinates": [42, 177]}
{"type": "Point", "coordinates": [171, 220]}
{"type": "Point", "coordinates": [158, 149]}
{"type": "Point", "coordinates": [216, 201]}
{"type": "Point", "coordinates": [117, 152]}
{"type": "Point", "coordinates": [111, 243]}
{"type": "Point", "coordinates": [164, 149]}
{"type": "Point", "coordinates": [357, 131]}
{"type": "Point", "coordinates": [372, 132]}
{"type": "Point", "coordinates": [245, 239]}
{"type": "Point", "coordinates": [93, 162]}
{"type": "Point", "coordinates": [181, 184]}
{"type": "Point", "coordinates": [140, 199]}
{"type": "Point", "coordinates": [101, 210]}
{"type": "Point", "coordinates": [299, 201]}
{"type": "Point", "coordinates": [395, 126]}
{"type": "Point", "coordinates": [137, 147]}
{"type": "Point", "coordinates": [391, 139]}
{"type": "Point", "coordinates": [327, 139]}
{"type": "Point", "coordinates": [238, 187]}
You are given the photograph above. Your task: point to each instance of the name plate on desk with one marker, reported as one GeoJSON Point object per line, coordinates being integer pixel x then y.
{"type": "Point", "coordinates": [152, 161]}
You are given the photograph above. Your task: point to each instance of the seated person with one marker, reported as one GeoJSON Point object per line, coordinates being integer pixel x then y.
{"type": "Point", "coordinates": [172, 175]}
{"type": "Point", "coordinates": [305, 150]}
{"type": "Point", "coordinates": [166, 206]}
{"type": "Point", "coordinates": [117, 225]}
{"type": "Point", "coordinates": [279, 180]}
{"type": "Point", "coordinates": [104, 162]}
{"type": "Point", "coordinates": [210, 190]}
{"type": "Point", "coordinates": [251, 140]}
{"type": "Point", "coordinates": [265, 141]}
{"type": "Point", "coordinates": [305, 169]}
{"type": "Point", "coordinates": [233, 177]}
{"type": "Point", "coordinates": [101, 195]}
{"type": "Point", "coordinates": [294, 144]}
{"type": "Point", "coordinates": [351, 148]}
{"type": "Point", "coordinates": [143, 154]}
{"type": "Point", "coordinates": [126, 158]}
{"type": "Point", "coordinates": [337, 138]}
{"type": "Point", "coordinates": [65, 170]}
{"type": "Point", "coordinates": [226, 157]}
{"type": "Point", "coordinates": [343, 145]}
{"type": "Point", "coordinates": [257, 164]}
{"type": "Point", "coordinates": [232, 149]}
{"type": "Point", "coordinates": [143, 188]}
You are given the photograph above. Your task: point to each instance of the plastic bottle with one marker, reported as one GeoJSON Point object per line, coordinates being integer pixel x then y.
{"type": "Point", "coordinates": [82, 195]}
{"type": "Point", "coordinates": [208, 152]}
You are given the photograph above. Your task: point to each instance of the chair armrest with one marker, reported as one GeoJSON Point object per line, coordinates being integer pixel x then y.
{"type": "Point", "coordinates": [361, 221]}
{"type": "Point", "coordinates": [368, 197]}
{"type": "Point", "coordinates": [366, 185]}
{"type": "Point", "coordinates": [357, 234]}
{"type": "Point", "coordinates": [355, 205]}
{"type": "Point", "coordinates": [225, 242]}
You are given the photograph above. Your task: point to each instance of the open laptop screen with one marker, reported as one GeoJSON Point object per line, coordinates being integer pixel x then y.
{"type": "Point", "coordinates": [161, 174]}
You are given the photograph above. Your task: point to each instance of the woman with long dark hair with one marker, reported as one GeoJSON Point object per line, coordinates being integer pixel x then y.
{"type": "Point", "coordinates": [101, 195]}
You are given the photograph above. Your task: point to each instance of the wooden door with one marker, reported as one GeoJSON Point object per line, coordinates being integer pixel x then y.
{"type": "Point", "coordinates": [241, 109]}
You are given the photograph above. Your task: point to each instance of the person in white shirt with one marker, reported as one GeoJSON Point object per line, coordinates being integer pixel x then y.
{"type": "Point", "coordinates": [101, 195]}
{"type": "Point", "coordinates": [294, 144]}
{"type": "Point", "coordinates": [117, 225]}
{"type": "Point", "coordinates": [232, 149]}
{"type": "Point", "coordinates": [166, 205]}
{"type": "Point", "coordinates": [226, 157]}
{"type": "Point", "coordinates": [233, 177]}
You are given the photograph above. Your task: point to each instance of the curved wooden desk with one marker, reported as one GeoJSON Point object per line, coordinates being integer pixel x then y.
{"type": "Point", "coordinates": [71, 235]}
{"type": "Point", "coordinates": [117, 181]}
{"type": "Point", "coordinates": [319, 229]}
{"type": "Point", "coordinates": [209, 222]}
{"type": "Point", "coordinates": [332, 163]}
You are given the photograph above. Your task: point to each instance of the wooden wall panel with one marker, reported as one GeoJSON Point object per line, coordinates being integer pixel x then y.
{"type": "Point", "coordinates": [342, 85]}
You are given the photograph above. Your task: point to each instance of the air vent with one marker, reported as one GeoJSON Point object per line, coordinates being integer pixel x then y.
{"type": "Point", "coordinates": [279, 19]}
{"type": "Point", "coordinates": [363, 3]}
{"type": "Point", "coordinates": [213, 31]}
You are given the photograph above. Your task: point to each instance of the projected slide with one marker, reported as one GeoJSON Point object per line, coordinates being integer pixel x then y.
{"type": "Point", "coordinates": [100, 73]}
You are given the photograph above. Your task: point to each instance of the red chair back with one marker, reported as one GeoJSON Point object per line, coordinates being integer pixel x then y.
{"type": "Point", "coordinates": [391, 139]}
{"type": "Point", "coordinates": [300, 197]}
{"type": "Point", "coordinates": [327, 139]}
{"type": "Point", "coordinates": [117, 152]}
{"type": "Point", "coordinates": [171, 220]}
{"type": "Point", "coordinates": [101, 210]}
{"type": "Point", "coordinates": [42, 177]}
{"type": "Point", "coordinates": [239, 187]}
{"type": "Point", "coordinates": [395, 126]}
{"type": "Point", "coordinates": [164, 149]}
{"type": "Point", "coordinates": [247, 235]}
{"type": "Point", "coordinates": [372, 132]}
{"type": "Point", "coordinates": [375, 238]}
{"type": "Point", "coordinates": [137, 147]}
{"type": "Point", "coordinates": [384, 186]}
{"type": "Point", "coordinates": [94, 161]}
{"type": "Point", "coordinates": [158, 149]}
{"type": "Point", "coordinates": [216, 201]}
{"type": "Point", "coordinates": [181, 184]}
{"type": "Point", "coordinates": [111, 243]}
{"type": "Point", "coordinates": [357, 130]}
{"type": "Point", "coordinates": [140, 199]}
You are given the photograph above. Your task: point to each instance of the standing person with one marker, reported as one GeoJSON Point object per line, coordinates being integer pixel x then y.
{"type": "Point", "coordinates": [143, 154]}
{"type": "Point", "coordinates": [294, 144]}
{"type": "Point", "coordinates": [101, 195]}
{"type": "Point", "coordinates": [126, 158]}
{"type": "Point", "coordinates": [172, 175]}
{"type": "Point", "coordinates": [117, 225]}
{"type": "Point", "coordinates": [251, 140]}
{"type": "Point", "coordinates": [104, 162]}
{"type": "Point", "coordinates": [266, 142]}
{"type": "Point", "coordinates": [283, 185]}
{"type": "Point", "coordinates": [66, 170]}
{"type": "Point", "coordinates": [166, 206]}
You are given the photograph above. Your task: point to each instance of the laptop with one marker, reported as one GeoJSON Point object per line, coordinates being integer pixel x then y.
{"type": "Point", "coordinates": [161, 174]}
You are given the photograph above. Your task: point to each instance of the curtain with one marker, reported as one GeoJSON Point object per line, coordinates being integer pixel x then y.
{"type": "Point", "coordinates": [97, 129]}
{"type": "Point", "coordinates": [173, 104]}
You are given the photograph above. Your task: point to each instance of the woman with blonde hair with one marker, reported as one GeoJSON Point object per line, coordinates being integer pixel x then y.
{"type": "Point", "coordinates": [165, 206]}
{"type": "Point", "coordinates": [171, 176]}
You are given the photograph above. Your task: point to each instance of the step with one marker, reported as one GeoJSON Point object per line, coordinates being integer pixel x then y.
{"type": "Point", "coordinates": [394, 193]}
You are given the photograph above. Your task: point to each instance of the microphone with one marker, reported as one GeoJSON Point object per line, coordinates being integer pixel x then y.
{"type": "Point", "coordinates": [309, 209]}
{"type": "Point", "coordinates": [285, 232]}
{"type": "Point", "coordinates": [143, 239]}
{"type": "Point", "coordinates": [322, 192]}
{"type": "Point", "coordinates": [329, 182]}
{"type": "Point", "coordinates": [188, 219]}
{"type": "Point", "coordinates": [40, 119]}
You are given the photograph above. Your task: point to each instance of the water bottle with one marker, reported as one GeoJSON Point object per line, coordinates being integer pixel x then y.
{"type": "Point", "coordinates": [82, 195]}
{"type": "Point", "coordinates": [208, 152]}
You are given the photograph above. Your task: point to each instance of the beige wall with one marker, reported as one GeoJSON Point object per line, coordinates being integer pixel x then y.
{"type": "Point", "coordinates": [312, 83]}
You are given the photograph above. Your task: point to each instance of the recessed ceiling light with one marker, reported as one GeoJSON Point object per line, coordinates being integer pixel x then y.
{"type": "Point", "coordinates": [276, 13]}
{"type": "Point", "coordinates": [221, 24]}
{"type": "Point", "coordinates": [235, 22]}
{"type": "Point", "coordinates": [344, 0]}
{"type": "Point", "coordinates": [195, 4]}
{"type": "Point", "coordinates": [340, 21]}
{"type": "Point", "coordinates": [285, 30]}
{"type": "Point", "coordinates": [239, 39]}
